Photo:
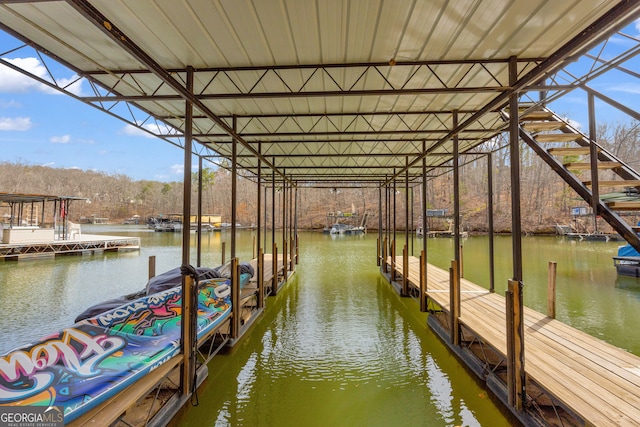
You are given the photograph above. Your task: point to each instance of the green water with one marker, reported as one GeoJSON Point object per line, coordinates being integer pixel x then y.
{"type": "Point", "coordinates": [337, 346]}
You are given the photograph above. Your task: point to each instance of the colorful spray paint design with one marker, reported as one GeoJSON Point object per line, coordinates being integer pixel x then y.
{"type": "Point", "coordinates": [89, 362]}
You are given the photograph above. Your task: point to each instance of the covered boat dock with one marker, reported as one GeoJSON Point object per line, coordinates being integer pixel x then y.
{"type": "Point", "coordinates": [361, 94]}
{"type": "Point", "coordinates": [29, 232]}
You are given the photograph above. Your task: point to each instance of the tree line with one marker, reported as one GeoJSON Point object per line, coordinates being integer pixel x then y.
{"type": "Point", "coordinates": [546, 200]}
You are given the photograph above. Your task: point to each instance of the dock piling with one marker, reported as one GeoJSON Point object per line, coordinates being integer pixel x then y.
{"type": "Point", "coordinates": [423, 282]}
{"type": "Point", "coordinates": [235, 298]}
{"type": "Point", "coordinates": [551, 290]}
{"type": "Point", "coordinates": [384, 256]}
{"type": "Point", "coordinates": [405, 270]}
{"type": "Point", "coordinates": [274, 263]}
{"type": "Point", "coordinates": [454, 297]}
{"type": "Point", "coordinates": [152, 266]}
{"type": "Point", "coordinates": [515, 344]}
{"type": "Point", "coordinates": [224, 244]}
{"type": "Point", "coordinates": [260, 273]}
{"type": "Point", "coordinates": [393, 260]}
{"type": "Point", "coordinates": [189, 315]}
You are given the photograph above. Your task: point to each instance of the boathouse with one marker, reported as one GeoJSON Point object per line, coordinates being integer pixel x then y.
{"type": "Point", "coordinates": [30, 232]}
{"type": "Point", "coordinates": [368, 94]}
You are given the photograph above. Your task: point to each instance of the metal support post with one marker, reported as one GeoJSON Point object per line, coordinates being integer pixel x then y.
{"type": "Point", "coordinates": [515, 321]}
{"type": "Point", "coordinates": [456, 191]}
{"type": "Point", "coordinates": [234, 188]}
{"type": "Point", "coordinates": [378, 253]}
{"type": "Point", "coordinates": [186, 373]}
{"type": "Point", "coordinates": [593, 154]}
{"type": "Point", "coordinates": [492, 272]}
{"type": "Point", "coordinates": [406, 202]}
{"type": "Point", "coordinates": [260, 262]}
{"type": "Point", "coordinates": [199, 219]}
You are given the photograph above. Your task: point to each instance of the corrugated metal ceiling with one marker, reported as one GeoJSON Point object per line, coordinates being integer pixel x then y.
{"type": "Point", "coordinates": [355, 88]}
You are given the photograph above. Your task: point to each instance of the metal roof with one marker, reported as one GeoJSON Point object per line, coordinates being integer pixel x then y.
{"type": "Point", "coordinates": [11, 198]}
{"type": "Point", "coordinates": [346, 91]}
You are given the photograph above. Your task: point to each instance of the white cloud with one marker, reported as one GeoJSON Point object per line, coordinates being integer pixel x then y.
{"type": "Point", "coordinates": [158, 128]}
{"type": "Point", "coordinates": [636, 24]}
{"type": "Point", "coordinates": [64, 139]}
{"type": "Point", "coordinates": [177, 169]}
{"type": "Point", "coordinates": [18, 123]}
{"type": "Point", "coordinates": [134, 131]}
{"type": "Point", "coordinates": [49, 165]}
{"type": "Point", "coordinates": [12, 81]}
{"type": "Point", "coordinates": [627, 88]}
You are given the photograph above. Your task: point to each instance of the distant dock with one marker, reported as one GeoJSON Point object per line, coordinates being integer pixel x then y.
{"type": "Point", "coordinates": [28, 232]}
{"type": "Point", "coordinates": [80, 245]}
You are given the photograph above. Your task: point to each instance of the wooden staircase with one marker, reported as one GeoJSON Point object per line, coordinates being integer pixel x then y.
{"type": "Point", "coordinates": [569, 153]}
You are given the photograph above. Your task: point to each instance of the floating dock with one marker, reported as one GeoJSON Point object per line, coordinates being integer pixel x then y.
{"type": "Point", "coordinates": [572, 378]}
{"type": "Point", "coordinates": [79, 245]}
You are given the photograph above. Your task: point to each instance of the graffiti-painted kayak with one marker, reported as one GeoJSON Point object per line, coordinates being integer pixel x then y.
{"type": "Point", "coordinates": [92, 360]}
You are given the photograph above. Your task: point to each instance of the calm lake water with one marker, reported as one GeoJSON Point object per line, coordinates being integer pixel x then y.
{"type": "Point", "coordinates": [337, 346]}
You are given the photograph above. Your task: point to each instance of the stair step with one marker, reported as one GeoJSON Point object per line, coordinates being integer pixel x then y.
{"type": "Point", "coordinates": [587, 165]}
{"type": "Point", "coordinates": [558, 137]}
{"type": "Point", "coordinates": [538, 115]}
{"type": "Point", "coordinates": [618, 183]}
{"type": "Point", "coordinates": [570, 151]}
{"type": "Point", "coordinates": [624, 206]}
{"type": "Point", "coordinates": [526, 105]}
{"type": "Point", "coordinates": [543, 126]}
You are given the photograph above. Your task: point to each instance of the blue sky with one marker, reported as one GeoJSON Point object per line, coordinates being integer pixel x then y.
{"type": "Point", "coordinates": [43, 127]}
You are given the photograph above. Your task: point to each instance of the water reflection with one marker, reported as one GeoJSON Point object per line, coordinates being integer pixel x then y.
{"type": "Point", "coordinates": [338, 347]}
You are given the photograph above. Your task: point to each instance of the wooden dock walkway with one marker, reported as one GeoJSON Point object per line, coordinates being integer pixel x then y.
{"type": "Point", "coordinates": [595, 382]}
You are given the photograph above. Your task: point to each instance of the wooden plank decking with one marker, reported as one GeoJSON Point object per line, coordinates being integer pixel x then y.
{"type": "Point", "coordinates": [600, 383]}
{"type": "Point", "coordinates": [267, 270]}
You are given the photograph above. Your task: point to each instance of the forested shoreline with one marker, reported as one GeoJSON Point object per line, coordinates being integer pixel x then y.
{"type": "Point", "coordinates": [546, 199]}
